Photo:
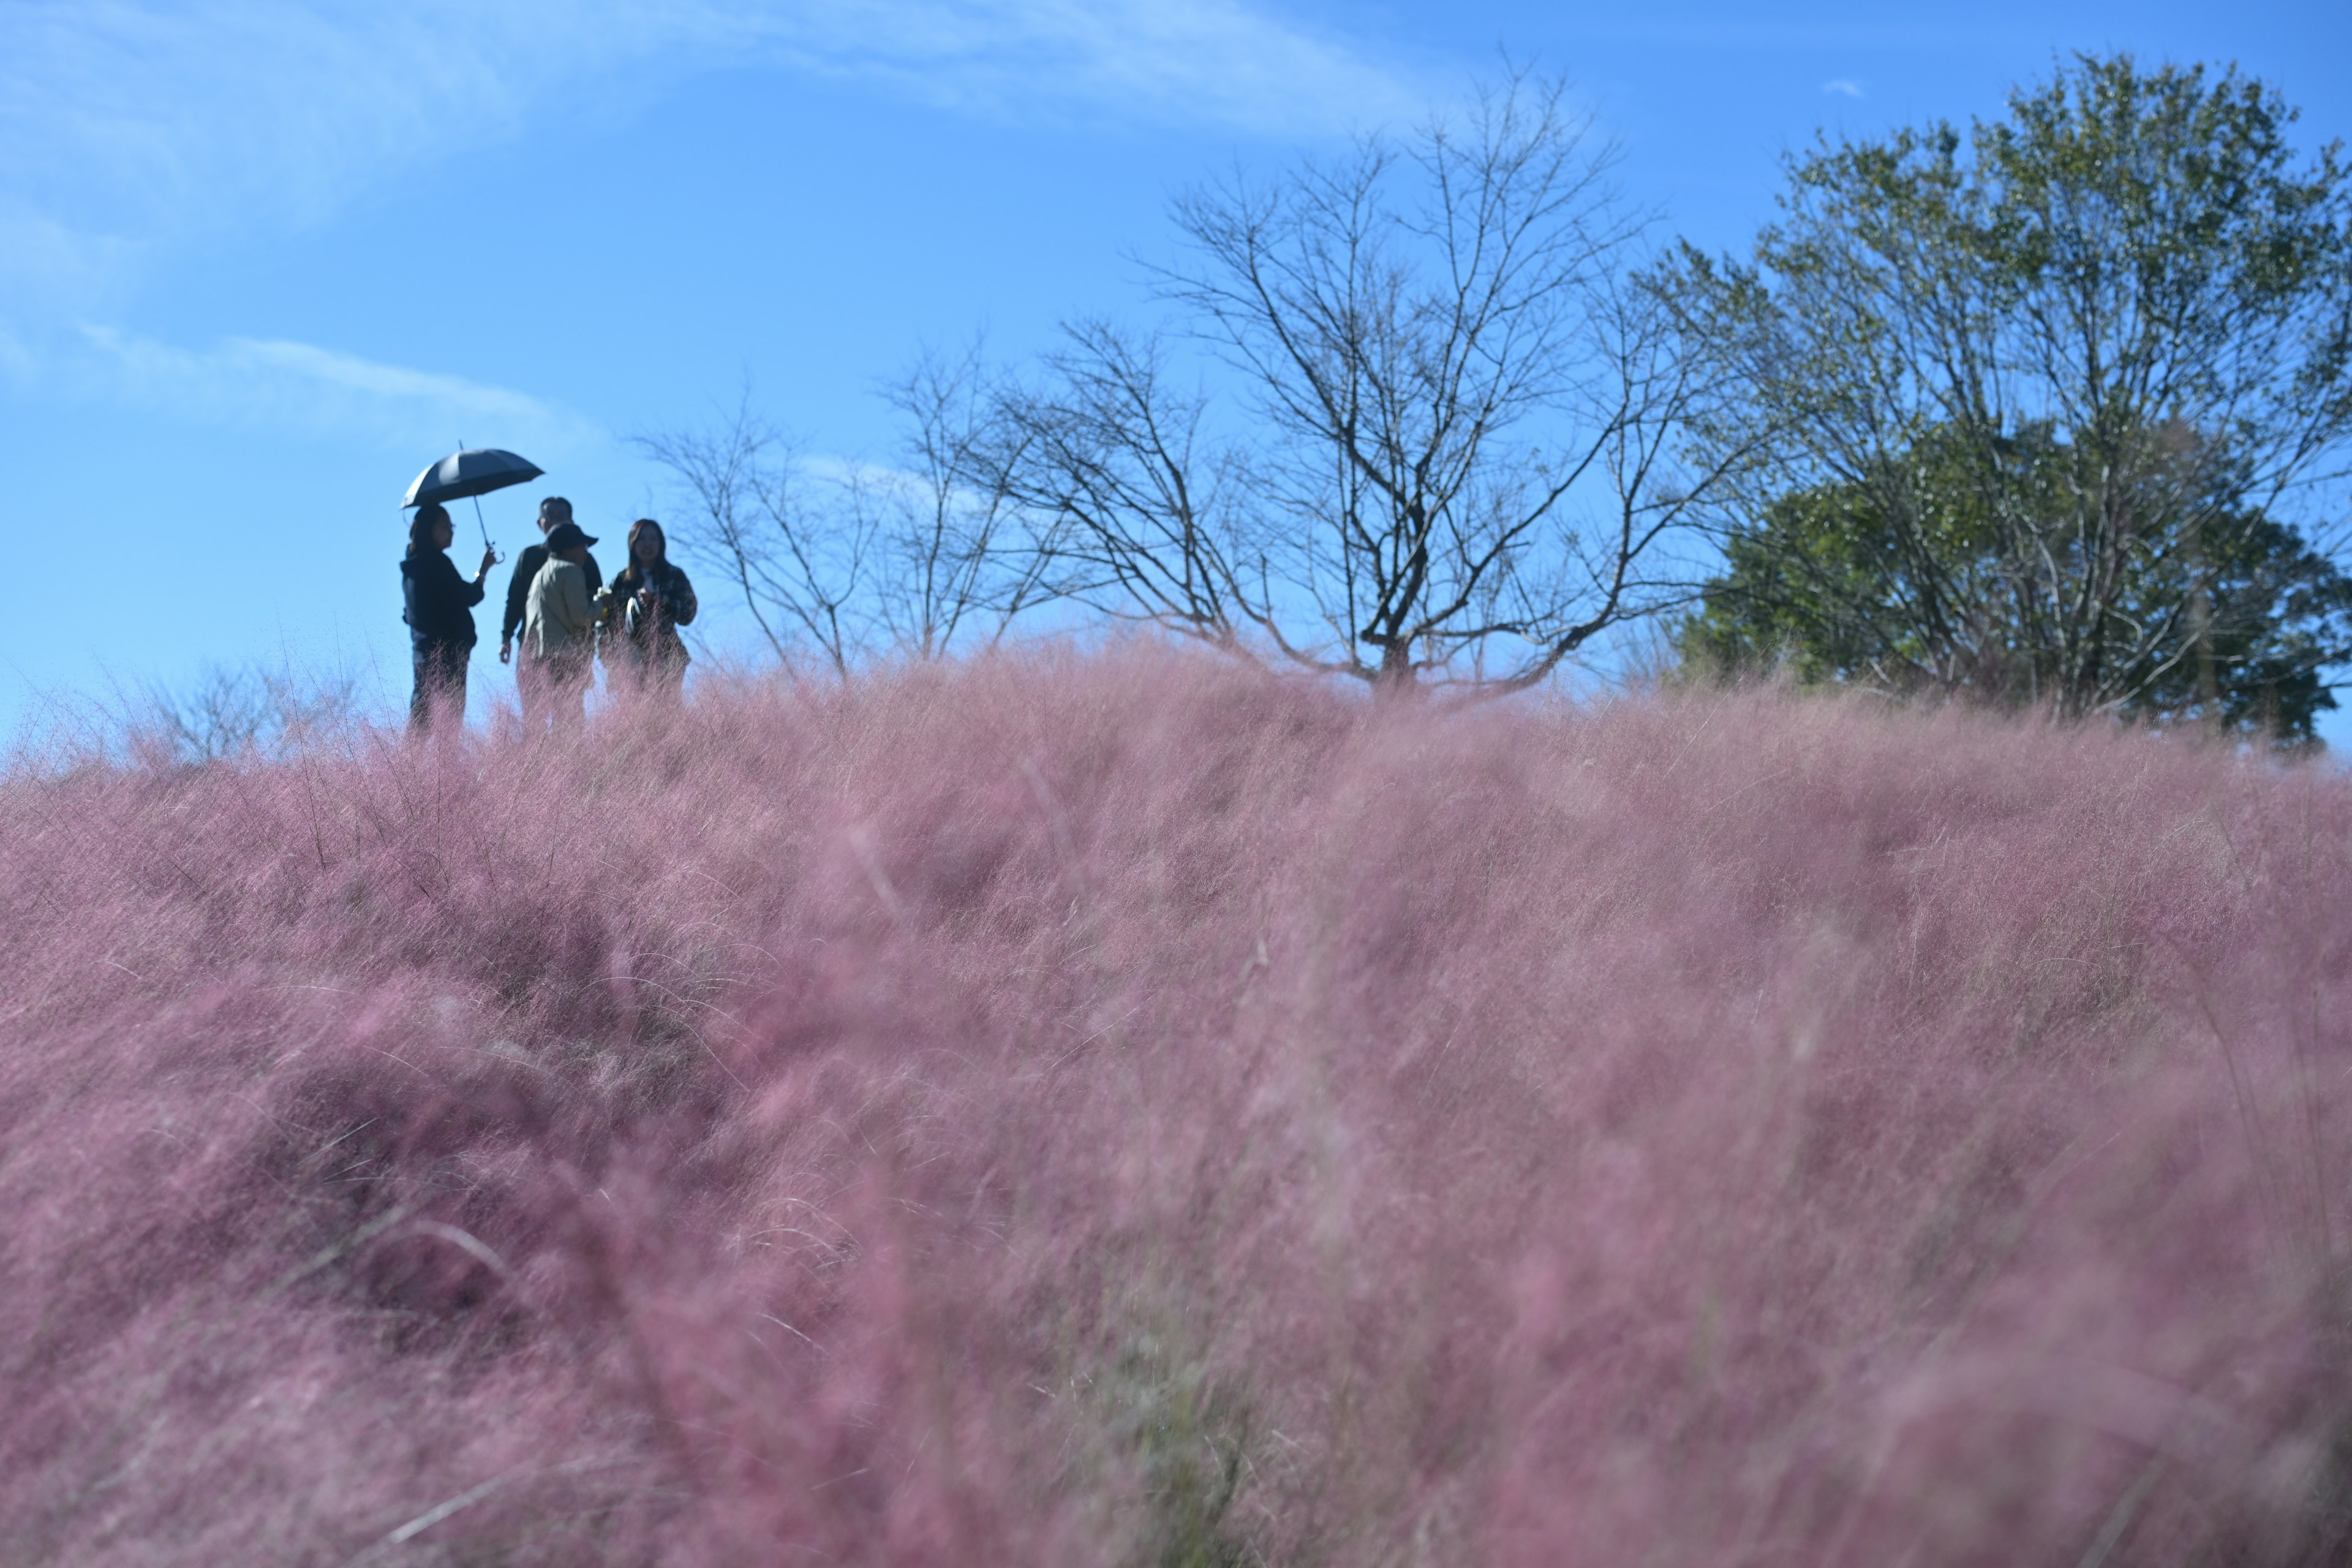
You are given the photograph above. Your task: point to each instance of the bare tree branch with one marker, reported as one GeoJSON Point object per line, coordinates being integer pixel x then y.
{"type": "Point", "coordinates": [1448, 364]}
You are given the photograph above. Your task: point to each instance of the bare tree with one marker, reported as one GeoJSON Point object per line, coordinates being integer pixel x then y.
{"type": "Point", "coordinates": [911, 557]}
{"type": "Point", "coordinates": [1142, 520]}
{"type": "Point", "coordinates": [1449, 362]}
{"type": "Point", "coordinates": [804, 570]}
{"type": "Point", "coordinates": [228, 714]}
{"type": "Point", "coordinates": [959, 560]}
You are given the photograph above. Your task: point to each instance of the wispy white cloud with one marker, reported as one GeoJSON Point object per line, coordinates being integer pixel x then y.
{"type": "Point", "coordinates": [1218, 61]}
{"type": "Point", "coordinates": [279, 384]}
{"type": "Point", "coordinates": [132, 131]}
{"type": "Point", "coordinates": [127, 124]}
{"type": "Point", "coordinates": [1845, 88]}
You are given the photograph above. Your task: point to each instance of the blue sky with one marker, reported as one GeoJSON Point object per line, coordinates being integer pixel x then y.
{"type": "Point", "coordinates": [262, 260]}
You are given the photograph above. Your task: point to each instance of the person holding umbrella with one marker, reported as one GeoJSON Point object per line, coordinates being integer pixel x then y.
{"type": "Point", "coordinates": [473, 471]}
{"type": "Point", "coordinates": [559, 630]}
{"type": "Point", "coordinates": [553, 512]}
{"type": "Point", "coordinates": [438, 606]}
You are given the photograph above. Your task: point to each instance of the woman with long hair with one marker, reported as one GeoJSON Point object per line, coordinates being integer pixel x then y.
{"type": "Point", "coordinates": [438, 606]}
{"type": "Point", "coordinates": [650, 600]}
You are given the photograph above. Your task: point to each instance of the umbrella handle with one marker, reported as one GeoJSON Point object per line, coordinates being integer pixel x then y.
{"type": "Point", "coordinates": [483, 526]}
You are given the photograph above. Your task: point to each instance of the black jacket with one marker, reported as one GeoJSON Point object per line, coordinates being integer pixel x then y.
{"type": "Point", "coordinates": [436, 603]}
{"type": "Point", "coordinates": [527, 565]}
{"type": "Point", "coordinates": [648, 640]}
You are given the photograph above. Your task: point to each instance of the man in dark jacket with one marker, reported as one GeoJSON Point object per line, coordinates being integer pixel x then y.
{"type": "Point", "coordinates": [528, 686]}
{"type": "Point", "coordinates": [438, 606]}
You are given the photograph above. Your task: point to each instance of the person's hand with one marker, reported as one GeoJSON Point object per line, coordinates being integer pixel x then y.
{"type": "Point", "coordinates": [489, 559]}
{"type": "Point", "coordinates": [506, 652]}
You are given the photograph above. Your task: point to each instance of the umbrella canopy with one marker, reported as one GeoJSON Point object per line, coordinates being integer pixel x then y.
{"type": "Point", "coordinates": [476, 471]}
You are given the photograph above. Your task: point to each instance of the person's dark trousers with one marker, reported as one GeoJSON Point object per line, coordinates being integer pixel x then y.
{"type": "Point", "coordinates": [440, 694]}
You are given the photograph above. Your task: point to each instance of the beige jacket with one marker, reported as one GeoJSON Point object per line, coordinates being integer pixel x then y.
{"type": "Point", "coordinates": [559, 624]}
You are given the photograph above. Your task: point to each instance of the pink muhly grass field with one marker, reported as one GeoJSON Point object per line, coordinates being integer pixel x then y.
{"type": "Point", "coordinates": [1125, 1110]}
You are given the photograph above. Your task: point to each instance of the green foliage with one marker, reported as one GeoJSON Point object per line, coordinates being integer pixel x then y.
{"type": "Point", "coordinates": [1825, 586]}
{"type": "Point", "coordinates": [1189, 1438]}
{"type": "Point", "coordinates": [2048, 421]}
{"type": "Point", "coordinates": [1171, 1445]}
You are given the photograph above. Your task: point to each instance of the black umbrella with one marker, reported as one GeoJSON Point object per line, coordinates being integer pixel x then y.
{"type": "Point", "coordinates": [475, 471]}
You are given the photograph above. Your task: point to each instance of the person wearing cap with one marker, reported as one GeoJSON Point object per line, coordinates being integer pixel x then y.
{"type": "Point", "coordinates": [558, 629]}
{"type": "Point", "coordinates": [552, 510]}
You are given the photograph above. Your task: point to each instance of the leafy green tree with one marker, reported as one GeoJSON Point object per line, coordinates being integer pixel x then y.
{"type": "Point", "coordinates": [1829, 583]}
{"type": "Point", "coordinates": [2060, 419]}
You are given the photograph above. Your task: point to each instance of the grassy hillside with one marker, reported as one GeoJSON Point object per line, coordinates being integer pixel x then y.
{"type": "Point", "coordinates": [1129, 1111]}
